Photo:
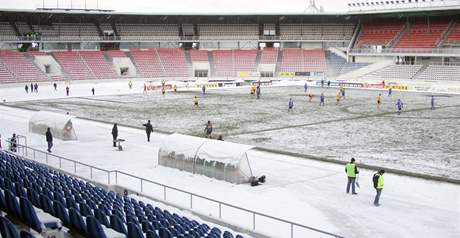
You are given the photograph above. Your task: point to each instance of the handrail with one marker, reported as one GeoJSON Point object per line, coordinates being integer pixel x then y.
{"type": "Point", "coordinates": [453, 51]}
{"type": "Point", "coordinates": [165, 187]}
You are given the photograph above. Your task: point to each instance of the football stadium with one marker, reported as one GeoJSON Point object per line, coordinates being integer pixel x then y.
{"type": "Point", "coordinates": [227, 123]}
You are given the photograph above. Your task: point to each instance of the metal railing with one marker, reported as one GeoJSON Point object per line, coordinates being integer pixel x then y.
{"type": "Point", "coordinates": [447, 51]}
{"type": "Point", "coordinates": [221, 210]}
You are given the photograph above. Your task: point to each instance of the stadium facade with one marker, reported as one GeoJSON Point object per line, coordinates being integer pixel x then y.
{"type": "Point", "coordinates": [66, 44]}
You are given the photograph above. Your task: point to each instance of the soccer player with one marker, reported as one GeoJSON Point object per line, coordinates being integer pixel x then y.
{"type": "Point", "coordinates": [195, 101]}
{"type": "Point", "coordinates": [290, 104]}
{"type": "Point", "coordinates": [337, 98]}
{"type": "Point", "coordinates": [432, 102]}
{"type": "Point", "coordinates": [399, 105]}
{"type": "Point", "coordinates": [321, 99]}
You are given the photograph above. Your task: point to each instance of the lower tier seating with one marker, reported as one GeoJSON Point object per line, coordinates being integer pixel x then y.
{"type": "Point", "coordinates": [86, 209]}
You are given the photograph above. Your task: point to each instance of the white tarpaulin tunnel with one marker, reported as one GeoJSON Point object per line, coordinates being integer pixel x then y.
{"type": "Point", "coordinates": [60, 124]}
{"type": "Point", "coordinates": [213, 158]}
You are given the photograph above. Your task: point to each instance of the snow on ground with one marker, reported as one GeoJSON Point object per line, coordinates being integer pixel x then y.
{"type": "Point", "coordinates": [419, 140]}
{"type": "Point", "coordinates": [303, 191]}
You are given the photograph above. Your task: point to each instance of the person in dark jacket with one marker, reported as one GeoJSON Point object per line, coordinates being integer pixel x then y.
{"type": "Point", "coordinates": [13, 143]}
{"type": "Point", "coordinates": [67, 90]}
{"type": "Point", "coordinates": [49, 139]}
{"type": "Point", "coordinates": [208, 130]}
{"type": "Point", "coordinates": [36, 87]}
{"type": "Point", "coordinates": [351, 170]}
{"type": "Point", "coordinates": [148, 129]}
{"type": "Point", "coordinates": [27, 88]}
{"type": "Point", "coordinates": [93, 91]}
{"type": "Point", "coordinates": [55, 86]}
{"type": "Point", "coordinates": [115, 134]}
{"type": "Point", "coordinates": [31, 87]}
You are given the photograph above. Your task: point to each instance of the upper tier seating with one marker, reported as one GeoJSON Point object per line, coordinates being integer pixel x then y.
{"type": "Point", "coordinates": [90, 210]}
{"type": "Point", "coordinates": [74, 65]}
{"type": "Point", "coordinates": [338, 32]}
{"type": "Point", "coordinates": [454, 36]}
{"type": "Point", "coordinates": [378, 33]}
{"type": "Point", "coordinates": [7, 31]}
{"type": "Point", "coordinates": [68, 31]}
{"type": "Point", "coordinates": [397, 71]}
{"type": "Point", "coordinates": [440, 72]}
{"type": "Point", "coordinates": [301, 60]}
{"type": "Point", "coordinates": [148, 31]}
{"type": "Point", "coordinates": [423, 34]}
{"type": "Point", "coordinates": [228, 31]}
{"type": "Point", "coordinates": [21, 68]}
{"type": "Point", "coordinates": [23, 28]}
{"type": "Point", "coordinates": [269, 56]}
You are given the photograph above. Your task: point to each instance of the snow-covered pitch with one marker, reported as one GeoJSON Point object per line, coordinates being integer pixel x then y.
{"type": "Point", "coordinates": [303, 191]}
{"type": "Point", "coordinates": [420, 140]}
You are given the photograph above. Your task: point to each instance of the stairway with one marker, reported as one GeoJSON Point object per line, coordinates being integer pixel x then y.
{"type": "Point", "coordinates": [278, 62]}
{"type": "Point", "coordinates": [445, 35]}
{"type": "Point", "coordinates": [211, 64]}
{"type": "Point", "coordinates": [188, 60]}
{"type": "Point", "coordinates": [258, 57]}
{"type": "Point", "coordinates": [398, 36]}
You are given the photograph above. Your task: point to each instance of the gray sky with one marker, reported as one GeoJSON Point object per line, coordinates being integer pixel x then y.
{"type": "Point", "coordinates": [192, 6]}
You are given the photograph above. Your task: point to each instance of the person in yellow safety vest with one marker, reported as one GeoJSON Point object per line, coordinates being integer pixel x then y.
{"type": "Point", "coordinates": [175, 88]}
{"type": "Point", "coordinates": [351, 170]}
{"type": "Point", "coordinates": [253, 90]}
{"type": "Point", "coordinates": [337, 98]}
{"type": "Point", "coordinates": [195, 100]}
{"type": "Point", "coordinates": [378, 185]}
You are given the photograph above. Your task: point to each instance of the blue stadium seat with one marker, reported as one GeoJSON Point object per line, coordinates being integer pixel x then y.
{"type": "Point", "coordinates": [29, 215]}
{"type": "Point", "coordinates": [33, 197]}
{"type": "Point", "coordinates": [227, 234]}
{"type": "Point", "coordinates": [164, 233]}
{"type": "Point", "coordinates": [26, 234]}
{"type": "Point", "coordinates": [117, 224]}
{"type": "Point", "coordinates": [77, 222]}
{"type": "Point", "coordinates": [7, 229]}
{"type": "Point", "coordinates": [85, 210]}
{"type": "Point", "coordinates": [12, 204]}
{"type": "Point", "coordinates": [2, 201]}
{"type": "Point", "coordinates": [146, 225]}
{"type": "Point", "coordinates": [61, 213]}
{"type": "Point", "coordinates": [134, 231]}
{"type": "Point", "coordinates": [94, 228]}
{"type": "Point", "coordinates": [46, 204]}
{"type": "Point", "coordinates": [151, 234]}
{"type": "Point", "coordinates": [101, 217]}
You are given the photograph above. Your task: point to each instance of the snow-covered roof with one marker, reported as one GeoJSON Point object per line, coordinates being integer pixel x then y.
{"type": "Point", "coordinates": [51, 119]}
{"type": "Point", "coordinates": [207, 149]}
